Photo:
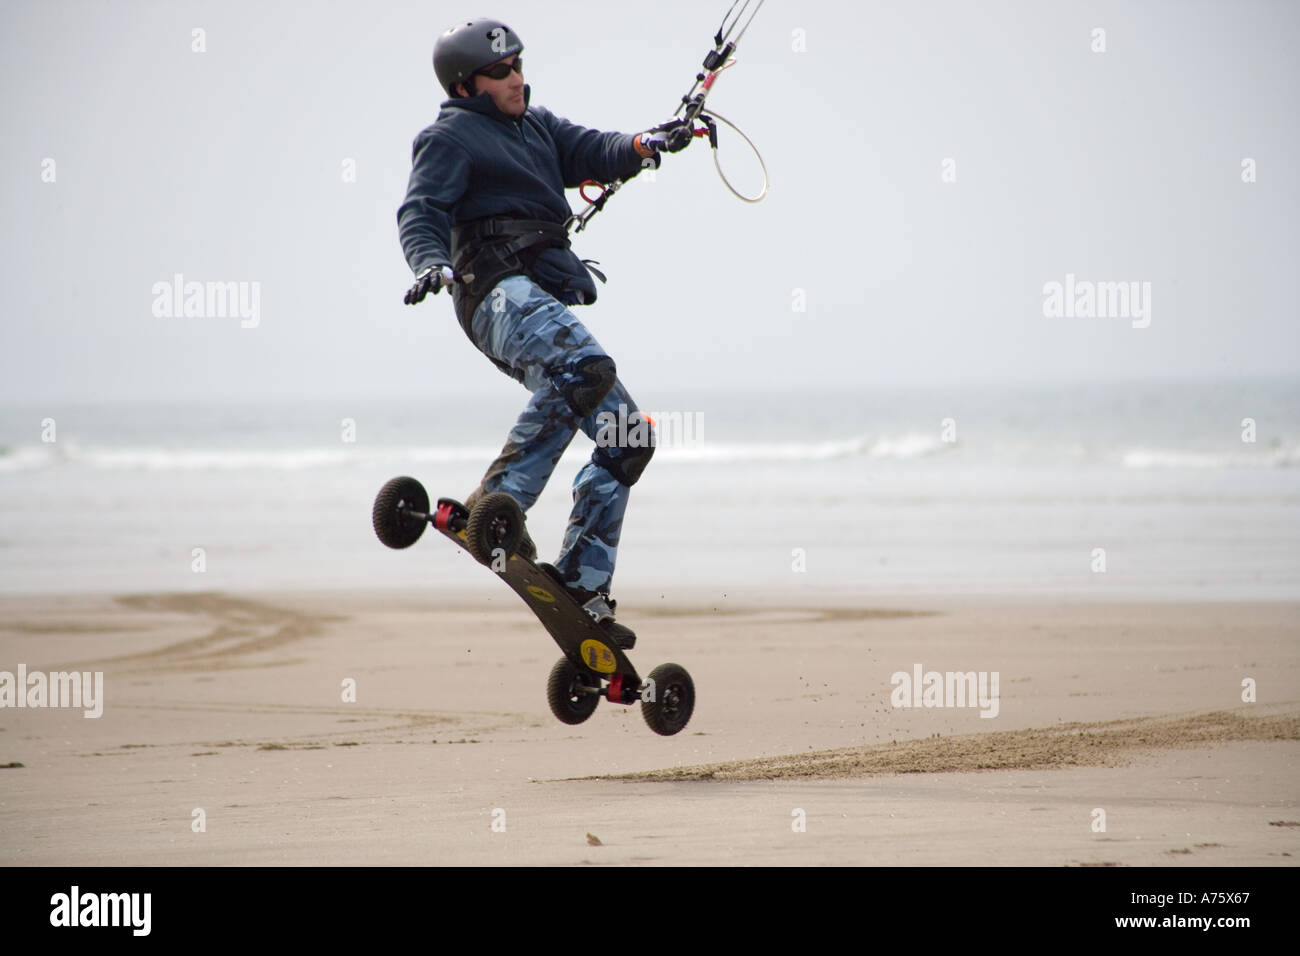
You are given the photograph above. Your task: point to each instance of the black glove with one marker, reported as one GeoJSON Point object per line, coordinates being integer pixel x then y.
{"type": "Point", "coordinates": [432, 280]}
{"type": "Point", "coordinates": [673, 136]}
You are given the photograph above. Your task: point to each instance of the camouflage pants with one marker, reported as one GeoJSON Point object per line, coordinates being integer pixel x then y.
{"type": "Point", "coordinates": [541, 341]}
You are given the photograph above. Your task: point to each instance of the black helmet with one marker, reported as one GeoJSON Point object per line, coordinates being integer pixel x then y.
{"type": "Point", "coordinates": [468, 47]}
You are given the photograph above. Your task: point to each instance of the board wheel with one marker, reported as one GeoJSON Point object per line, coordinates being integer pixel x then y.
{"type": "Point", "coordinates": [495, 528]}
{"type": "Point", "coordinates": [570, 703]}
{"type": "Point", "coordinates": [394, 525]}
{"type": "Point", "coordinates": [669, 707]}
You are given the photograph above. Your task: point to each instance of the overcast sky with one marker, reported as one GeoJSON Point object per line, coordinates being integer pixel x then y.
{"type": "Point", "coordinates": [227, 165]}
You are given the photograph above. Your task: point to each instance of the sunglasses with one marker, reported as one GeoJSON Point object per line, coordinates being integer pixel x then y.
{"type": "Point", "coordinates": [499, 71]}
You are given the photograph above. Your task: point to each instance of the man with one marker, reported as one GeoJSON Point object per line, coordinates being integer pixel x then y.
{"type": "Point", "coordinates": [484, 213]}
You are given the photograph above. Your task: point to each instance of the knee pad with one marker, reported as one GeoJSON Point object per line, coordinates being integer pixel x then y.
{"type": "Point", "coordinates": [593, 377]}
{"type": "Point", "coordinates": [635, 449]}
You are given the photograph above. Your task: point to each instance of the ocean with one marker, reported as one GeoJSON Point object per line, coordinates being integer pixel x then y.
{"type": "Point", "coordinates": [1165, 491]}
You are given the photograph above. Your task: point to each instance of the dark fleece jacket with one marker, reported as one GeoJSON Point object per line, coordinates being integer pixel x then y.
{"type": "Point", "coordinates": [476, 161]}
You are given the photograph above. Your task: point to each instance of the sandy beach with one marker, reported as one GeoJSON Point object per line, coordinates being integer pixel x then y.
{"type": "Point", "coordinates": [1120, 736]}
{"type": "Point", "coordinates": [972, 506]}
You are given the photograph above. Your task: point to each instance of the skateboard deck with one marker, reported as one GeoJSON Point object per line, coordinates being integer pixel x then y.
{"type": "Point", "coordinates": [593, 665]}
{"type": "Point", "coordinates": [582, 640]}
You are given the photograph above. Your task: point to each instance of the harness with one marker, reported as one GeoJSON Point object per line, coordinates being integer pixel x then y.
{"type": "Point", "coordinates": [485, 251]}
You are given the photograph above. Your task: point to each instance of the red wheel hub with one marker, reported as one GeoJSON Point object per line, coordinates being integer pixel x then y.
{"type": "Point", "coordinates": [616, 689]}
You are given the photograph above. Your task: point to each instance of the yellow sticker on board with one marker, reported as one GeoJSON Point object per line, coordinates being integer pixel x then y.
{"type": "Point", "coordinates": [598, 657]}
{"type": "Point", "coordinates": [541, 594]}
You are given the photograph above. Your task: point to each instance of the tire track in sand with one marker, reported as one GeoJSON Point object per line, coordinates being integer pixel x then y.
{"type": "Point", "coordinates": [241, 629]}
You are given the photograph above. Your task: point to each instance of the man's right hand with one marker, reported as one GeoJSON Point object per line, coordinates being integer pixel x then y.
{"type": "Point", "coordinates": [431, 279]}
{"type": "Point", "coordinates": [673, 136]}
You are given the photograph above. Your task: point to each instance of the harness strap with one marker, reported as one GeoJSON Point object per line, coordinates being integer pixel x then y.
{"type": "Point", "coordinates": [489, 250]}
{"type": "Point", "coordinates": [521, 233]}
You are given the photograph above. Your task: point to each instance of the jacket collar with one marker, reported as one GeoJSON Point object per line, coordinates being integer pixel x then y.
{"type": "Point", "coordinates": [483, 103]}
